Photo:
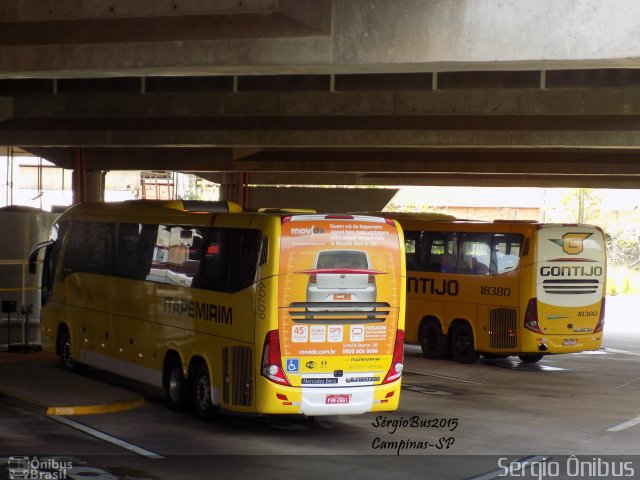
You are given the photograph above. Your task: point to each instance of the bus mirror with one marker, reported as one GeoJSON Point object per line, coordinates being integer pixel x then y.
{"type": "Point", "coordinates": [33, 256]}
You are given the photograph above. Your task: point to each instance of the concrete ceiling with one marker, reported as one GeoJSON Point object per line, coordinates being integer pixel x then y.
{"type": "Point", "coordinates": [329, 92]}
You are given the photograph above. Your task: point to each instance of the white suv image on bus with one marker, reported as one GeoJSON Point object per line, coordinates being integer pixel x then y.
{"type": "Point", "coordinates": [341, 276]}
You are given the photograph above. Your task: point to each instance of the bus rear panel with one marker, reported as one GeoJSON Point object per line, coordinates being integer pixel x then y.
{"type": "Point", "coordinates": [566, 311]}
{"type": "Point", "coordinates": [340, 317]}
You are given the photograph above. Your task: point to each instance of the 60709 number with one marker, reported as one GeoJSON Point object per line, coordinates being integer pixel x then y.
{"type": "Point", "coordinates": [495, 291]}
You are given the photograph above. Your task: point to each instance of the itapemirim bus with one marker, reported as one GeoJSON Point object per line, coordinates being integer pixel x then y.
{"type": "Point", "coordinates": [503, 288]}
{"type": "Point", "coordinates": [212, 306]}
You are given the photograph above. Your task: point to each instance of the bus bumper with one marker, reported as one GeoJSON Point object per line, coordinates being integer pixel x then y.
{"type": "Point", "coordinates": [562, 343]}
{"type": "Point", "coordinates": [316, 401]}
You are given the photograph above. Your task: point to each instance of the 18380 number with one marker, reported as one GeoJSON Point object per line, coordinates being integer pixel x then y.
{"type": "Point", "coordinates": [495, 291]}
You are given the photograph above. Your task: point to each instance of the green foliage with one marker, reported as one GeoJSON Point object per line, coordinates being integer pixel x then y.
{"type": "Point", "coordinates": [623, 281]}
{"type": "Point", "coordinates": [580, 205]}
{"type": "Point", "coordinates": [623, 245]}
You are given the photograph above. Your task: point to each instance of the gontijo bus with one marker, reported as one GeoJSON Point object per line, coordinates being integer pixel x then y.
{"type": "Point", "coordinates": [214, 307]}
{"type": "Point", "coordinates": [503, 288]}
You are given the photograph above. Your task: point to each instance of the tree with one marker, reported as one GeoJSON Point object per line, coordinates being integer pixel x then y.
{"type": "Point", "coordinates": [580, 205]}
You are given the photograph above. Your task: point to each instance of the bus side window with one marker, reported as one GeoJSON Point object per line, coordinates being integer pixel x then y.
{"type": "Point", "coordinates": [443, 252]}
{"type": "Point", "coordinates": [231, 259]}
{"type": "Point", "coordinates": [211, 275]}
{"type": "Point", "coordinates": [244, 255]}
{"type": "Point", "coordinates": [89, 249]}
{"type": "Point", "coordinates": [411, 242]}
{"type": "Point", "coordinates": [505, 252]}
{"type": "Point", "coordinates": [134, 250]}
{"type": "Point", "coordinates": [475, 253]}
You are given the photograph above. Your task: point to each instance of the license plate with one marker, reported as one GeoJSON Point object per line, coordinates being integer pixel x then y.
{"type": "Point", "coordinates": [341, 296]}
{"type": "Point", "coordinates": [337, 399]}
{"type": "Point", "coordinates": [569, 342]}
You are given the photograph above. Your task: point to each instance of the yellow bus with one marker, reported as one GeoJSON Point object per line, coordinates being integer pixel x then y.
{"type": "Point", "coordinates": [503, 288]}
{"type": "Point", "coordinates": [241, 312]}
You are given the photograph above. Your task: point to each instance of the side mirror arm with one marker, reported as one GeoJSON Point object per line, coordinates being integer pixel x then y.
{"type": "Point", "coordinates": [33, 256]}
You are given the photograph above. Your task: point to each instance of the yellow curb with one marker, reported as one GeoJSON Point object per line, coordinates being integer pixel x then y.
{"type": "Point", "coordinates": [93, 409]}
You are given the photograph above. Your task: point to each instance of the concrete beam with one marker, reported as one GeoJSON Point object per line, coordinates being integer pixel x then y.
{"type": "Point", "coordinates": [61, 39]}
{"type": "Point", "coordinates": [441, 179]}
{"type": "Point", "coordinates": [130, 132]}
{"type": "Point", "coordinates": [453, 103]}
{"type": "Point", "coordinates": [328, 166]}
{"type": "Point", "coordinates": [321, 199]}
{"type": "Point", "coordinates": [114, 158]}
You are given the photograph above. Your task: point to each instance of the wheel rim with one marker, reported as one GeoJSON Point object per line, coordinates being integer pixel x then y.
{"type": "Point", "coordinates": [66, 353]}
{"type": "Point", "coordinates": [430, 340]}
{"type": "Point", "coordinates": [203, 392]}
{"type": "Point", "coordinates": [175, 384]}
{"type": "Point", "coordinates": [463, 342]}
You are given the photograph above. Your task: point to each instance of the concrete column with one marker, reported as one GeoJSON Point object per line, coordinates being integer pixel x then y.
{"type": "Point", "coordinates": [88, 185]}
{"type": "Point", "coordinates": [235, 188]}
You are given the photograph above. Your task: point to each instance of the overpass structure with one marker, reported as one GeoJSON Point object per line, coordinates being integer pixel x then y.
{"type": "Point", "coordinates": [338, 92]}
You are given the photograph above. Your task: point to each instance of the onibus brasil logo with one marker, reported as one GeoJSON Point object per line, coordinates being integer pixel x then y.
{"type": "Point", "coordinates": [35, 468]}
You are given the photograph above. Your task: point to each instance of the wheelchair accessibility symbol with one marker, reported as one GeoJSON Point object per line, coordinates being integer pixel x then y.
{"type": "Point", "coordinates": [293, 364]}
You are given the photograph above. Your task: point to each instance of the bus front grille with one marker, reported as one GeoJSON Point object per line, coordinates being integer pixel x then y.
{"type": "Point", "coordinates": [503, 328]}
{"type": "Point", "coordinates": [238, 376]}
{"type": "Point", "coordinates": [571, 287]}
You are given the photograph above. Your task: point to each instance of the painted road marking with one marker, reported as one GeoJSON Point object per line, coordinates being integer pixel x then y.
{"type": "Point", "coordinates": [105, 437]}
{"type": "Point", "coordinates": [93, 409]}
{"type": "Point", "coordinates": [624, 425]}
{"type": "Point", "coordinates": [444, 377]}
{"type": "Point", "coordinates": [614, 350]}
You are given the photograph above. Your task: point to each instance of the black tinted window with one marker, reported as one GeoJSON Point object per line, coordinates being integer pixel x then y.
{"type": "Point", "coordinates": [89, 248]}
{"type": "Point", "coordinates": [134, 249]}
{"type": "Point", "coordinates": [230, 259]}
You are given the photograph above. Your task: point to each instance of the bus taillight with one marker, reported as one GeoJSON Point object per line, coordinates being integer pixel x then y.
{"type": "Point", "coordinates": [395, 371]}
{"type": "Point", "coordinates": [600, 324]}
{"type": "Point", "coordinates": [531, 317]}
{"type": "Point", "coordinates": [271, 362]}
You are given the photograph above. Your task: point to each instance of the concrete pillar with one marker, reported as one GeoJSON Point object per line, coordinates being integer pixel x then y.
{"type": "Point", "coordinates": [88, 185]}
{"type": "Point", "coordinates": [235, 188]}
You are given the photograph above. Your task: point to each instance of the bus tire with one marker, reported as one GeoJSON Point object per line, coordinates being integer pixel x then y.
{"type": "Point", "coordinates": [462, 344]}
{"type": "Point", "coordinates": [434, 344]}
{"type": "Point", "coordinates": [66, 359]}
{"type": "Point", "coordinates": [178, 389]}
{"type": "Point", "coordinates": [202, 403]}
{"type": "Point", "coordinates": [536, 357]}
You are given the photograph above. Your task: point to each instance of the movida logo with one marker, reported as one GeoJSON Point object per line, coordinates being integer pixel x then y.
{"type": "Point", "coordinates": [312, 230]}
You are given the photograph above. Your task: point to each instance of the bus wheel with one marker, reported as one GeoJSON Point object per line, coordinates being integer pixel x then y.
{"type": "Point", "coordinates": [203, 406]}
{"type": "Point", "coordinates": [530, 358]}
{"type": "Point", "coordinates": [178, 389]}
{"type": "Point", "coordinates": [434, 343]}
{"type": "Point", "coordinates": [66, 359]}
{"type": "Point", "coordinates": [462, 344]}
